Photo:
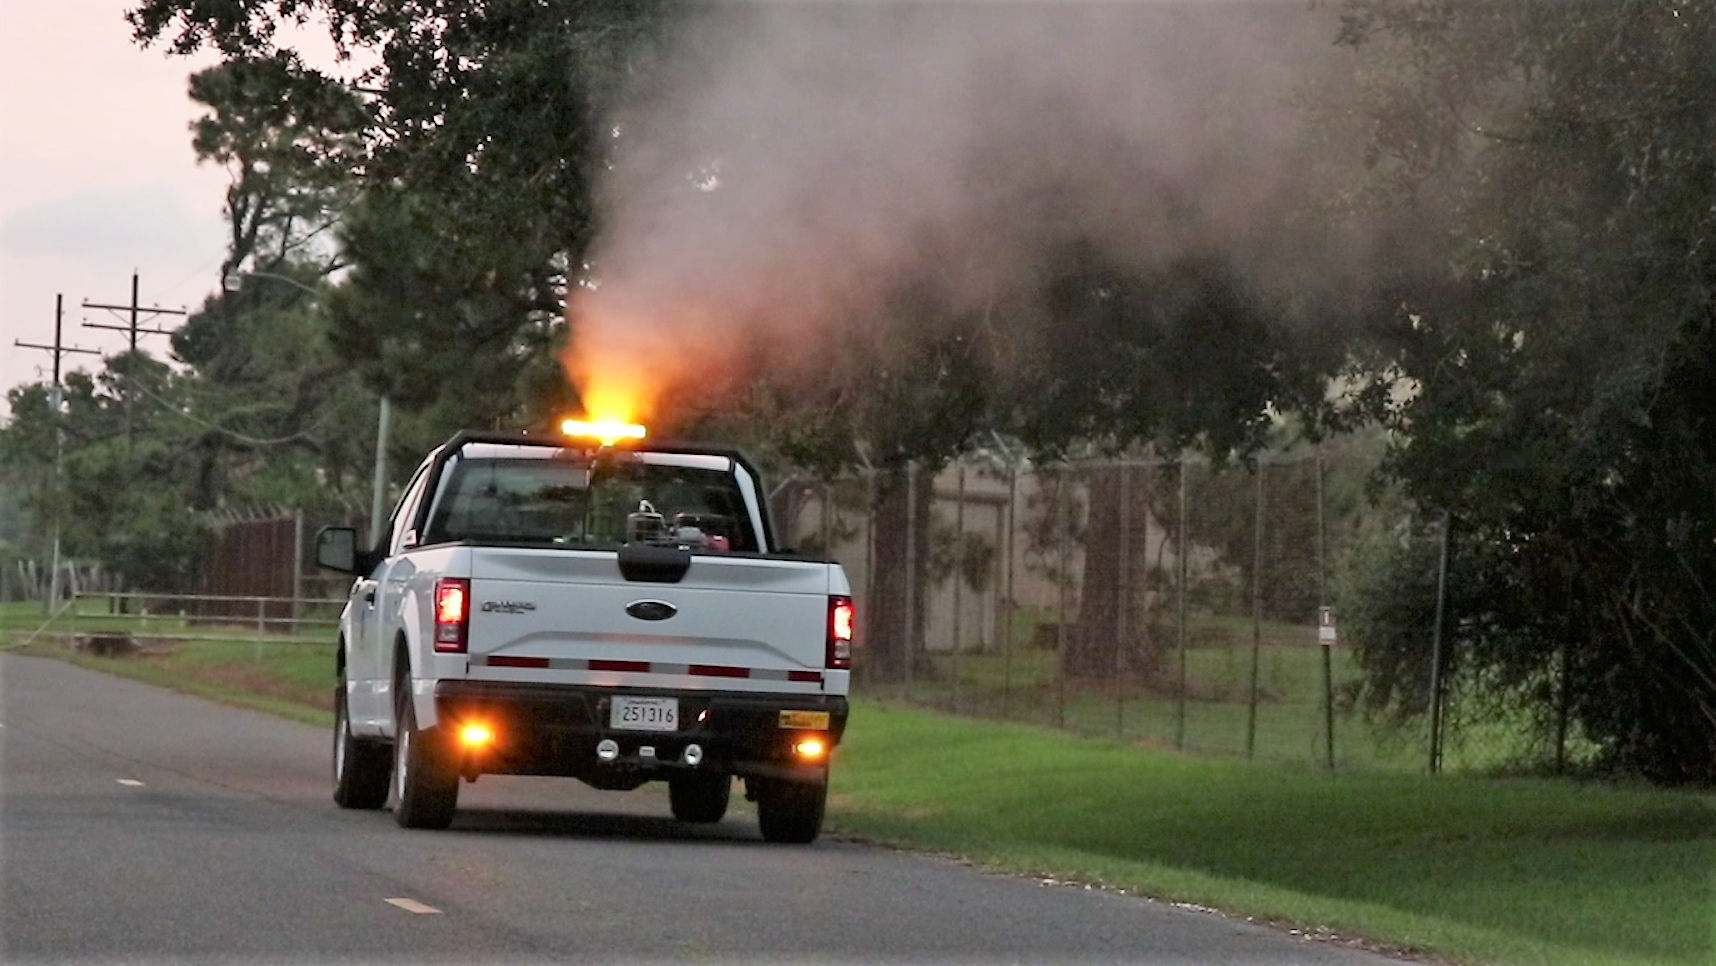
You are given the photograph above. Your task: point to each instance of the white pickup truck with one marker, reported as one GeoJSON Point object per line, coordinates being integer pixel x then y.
{"type": "Point", "coordinates": [613, 613]}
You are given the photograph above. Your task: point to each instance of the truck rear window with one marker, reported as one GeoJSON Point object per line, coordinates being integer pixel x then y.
{"type": "Point", "coordinates": [598, 505]}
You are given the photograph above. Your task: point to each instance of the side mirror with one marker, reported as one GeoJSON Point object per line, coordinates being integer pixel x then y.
{"type": "Point", "coordinates": [336, 549]}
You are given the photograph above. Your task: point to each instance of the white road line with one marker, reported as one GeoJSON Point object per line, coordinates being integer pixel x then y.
{"type": "Point", "coordinates": [130, 783]}
{"type": "Point", "coordinates": [412, 905]}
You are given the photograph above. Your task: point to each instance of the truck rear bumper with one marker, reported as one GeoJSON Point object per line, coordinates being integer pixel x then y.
{"type": "Point", "coordinates": [556, 729]}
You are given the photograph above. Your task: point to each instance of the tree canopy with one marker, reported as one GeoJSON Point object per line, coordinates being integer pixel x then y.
{"type": "Point", "coordinates": [1550, 382]}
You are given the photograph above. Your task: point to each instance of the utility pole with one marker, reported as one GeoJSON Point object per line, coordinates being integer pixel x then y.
{"type": "Point", "coordinates": [1328, 647]}
{"type": "Point", "coordinates": [135, 310]}
{"type": "Point", "coordinates": [1436, 658]}
{"type": "Point", "coordinates": [1180, 618]}
{"type": "Point", "coordinates": [59, 349]}
{"type": "Point", "coordinates": [378, 494]}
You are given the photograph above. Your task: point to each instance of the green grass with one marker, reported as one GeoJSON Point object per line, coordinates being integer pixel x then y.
{"type": "Point", "coordinates": [24, 616]}
{"type": "Point", "coordinates": [1504, 871]}
{"type": "Point", "coordinates": [1476, 870]}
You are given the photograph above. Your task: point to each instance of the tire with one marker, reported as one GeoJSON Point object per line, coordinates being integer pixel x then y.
{"type": "Point", "coordinates": [425, 783]}
{"type": "Point", "coordinates": [699, 797]}
{"type": "Point", "coordinates": [791, 811]}
{"type": "Point", "coordinates": [361, 768]}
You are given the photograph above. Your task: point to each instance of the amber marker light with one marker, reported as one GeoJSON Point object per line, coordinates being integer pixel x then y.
{"type": "Point", "coordinates": [606, 432]}
{"type": "Point", "coordinates": [475, 734]}
{"type": "Point", "coordinates": [810, 749]}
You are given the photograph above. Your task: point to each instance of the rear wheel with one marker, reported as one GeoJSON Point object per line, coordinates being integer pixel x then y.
{"type": "Point", "coordinates": [361, 768]}
{"type": "Point", "coordinates": [425, 783]}
{"type": "Point", "coordinates": [699, 797]}
{"type": "Point", "coordinates": [791, 811]}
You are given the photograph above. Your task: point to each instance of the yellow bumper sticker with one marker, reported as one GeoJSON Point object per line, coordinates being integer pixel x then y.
{"type": "Point", "coordinates": [805, 719]}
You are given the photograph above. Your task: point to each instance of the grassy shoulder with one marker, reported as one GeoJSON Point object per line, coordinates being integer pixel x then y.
{"type": "Point", "coordinates": [1484, 870]}
{"type": "Point", "coordinates": [291, 680]}
{"type": "Point", "coordinates": [1479, 870]}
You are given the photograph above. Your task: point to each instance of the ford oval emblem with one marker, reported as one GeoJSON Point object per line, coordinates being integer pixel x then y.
{"type": "Point", "coordinates": [651, 610]}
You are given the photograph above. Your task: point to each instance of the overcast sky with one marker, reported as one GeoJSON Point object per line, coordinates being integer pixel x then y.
{"type": "Point", "coordinates": [97, 180]}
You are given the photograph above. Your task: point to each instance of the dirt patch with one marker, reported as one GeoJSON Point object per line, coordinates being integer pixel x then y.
{"type": "Point", "coordinates": [106, 645]}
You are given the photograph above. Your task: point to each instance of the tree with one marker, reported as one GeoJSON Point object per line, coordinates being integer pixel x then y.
{"type": "Point", "coordinates": [291, 140]}
{"type": "Point", "coordinates": [274, 404]}
{"type": "Point", "coordinates": [145, 533]}
{"type": "Point", "coordinates": [438, 317]}
{"type": "Point", "coordinates": [476, 142]}
{"type": "Point", "coordinates": [1549, 373]}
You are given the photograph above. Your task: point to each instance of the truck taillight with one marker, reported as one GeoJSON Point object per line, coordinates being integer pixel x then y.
{"type": "Point", "coordinates": [840, 616]}
{"type": "Point", "coordinates": [452, 610]}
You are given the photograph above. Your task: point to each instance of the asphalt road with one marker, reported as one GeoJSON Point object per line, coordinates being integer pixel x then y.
{"type": "Point", "coordinates": [142, 826]}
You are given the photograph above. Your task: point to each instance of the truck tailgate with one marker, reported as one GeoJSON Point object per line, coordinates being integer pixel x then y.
{"type": "Point", "coordinates": [737, 623]}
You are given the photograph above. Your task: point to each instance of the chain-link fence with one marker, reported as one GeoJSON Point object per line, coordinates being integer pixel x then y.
{"type": "Point", "coordinates": [1179, 605]}
{"type": "Point", "coordinates": [1484, 719]}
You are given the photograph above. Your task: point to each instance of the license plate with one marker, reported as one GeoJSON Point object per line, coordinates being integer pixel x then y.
{"type": "Point", "coordinates": [805, 719]}
{"type": "Point", "coordinates": [644, 714]}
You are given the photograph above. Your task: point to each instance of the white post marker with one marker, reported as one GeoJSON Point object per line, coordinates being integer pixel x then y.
{"type": "Point", "coordinates": [1326, 626]}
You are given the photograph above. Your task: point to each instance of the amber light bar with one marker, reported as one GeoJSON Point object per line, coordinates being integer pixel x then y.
{"type": "Point", "coordinates": [605, 432]}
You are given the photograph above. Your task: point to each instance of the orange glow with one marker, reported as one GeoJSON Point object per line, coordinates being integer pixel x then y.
{"type": "Point", "coordinates": [476, 734]}
{"type": "Point", "coordinates": [843, 621]}
{"type": "Point", "coordinates": [616, 391]}
{"type": "Point", "coordinates": [606, 432]}
{"type": "Point", "coordinates": [450, 604]}
{"type": "Point", "coordinates": [810, 748]}
{"type": "Point", "coordinates": [615, 360]}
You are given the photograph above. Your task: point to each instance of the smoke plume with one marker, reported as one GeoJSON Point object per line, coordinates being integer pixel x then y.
{"type": "Point", "coordinates": [787, 165]}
